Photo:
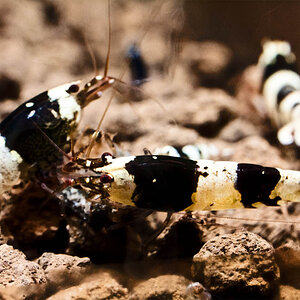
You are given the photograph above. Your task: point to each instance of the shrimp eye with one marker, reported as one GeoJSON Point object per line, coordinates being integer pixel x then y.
{"type": "Point", "coordinates": [74, 88]}
{"type": "Point", "coordinates": [106, 178]}
{"type": "Point", "coordinates": [106, 157]}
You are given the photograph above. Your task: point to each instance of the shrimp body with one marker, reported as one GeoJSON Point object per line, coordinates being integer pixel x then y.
{"type": "Point", "coordinates": [29, 134]}
{"type": "Point", "coordinates": [166, 183]}
{"type": "Point", "coordinates": [281, 89]}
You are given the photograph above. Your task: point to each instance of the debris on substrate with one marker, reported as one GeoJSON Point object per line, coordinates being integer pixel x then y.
{"type": "Point", "coordinates": [69, 249]}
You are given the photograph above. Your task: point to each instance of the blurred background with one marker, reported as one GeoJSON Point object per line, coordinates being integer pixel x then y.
{"type": "Point", "coordinates": [44, 43]}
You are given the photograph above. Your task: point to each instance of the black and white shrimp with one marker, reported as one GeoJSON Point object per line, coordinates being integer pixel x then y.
{"type": "Point", "coordinates": [30, 135]}
{"type": "Point", "coordinates": [281, 89]}
{"type": "Point", "coordinates": [172, 184]}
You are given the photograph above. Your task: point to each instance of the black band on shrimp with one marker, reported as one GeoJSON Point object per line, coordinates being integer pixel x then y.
{"type": "Point", "coordinates": [152, 174]}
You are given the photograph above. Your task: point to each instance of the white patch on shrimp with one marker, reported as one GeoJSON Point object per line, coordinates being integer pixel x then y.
{"type": "Point", "coordinates": [116, 164]}
{"type": "Point", "coordinates": [61, 91]}
{"type": "Point", "coordinates": [68, 105]}
{"type": "Point", "coordinates": [9, 167]}
{"type": "Point", "coordinates": [29, 104]}
{"type": "Point", "coordinates": [273, 48]}
{"type": "Point", "coordinates": [289, 108]}
{"type": "Point", "coordinates": [123, 186]}
{"type": "Point", "coordinates": [216, 190]}
{"type": "Point", "coordinates": [68, 108]}
{"type": "Point", "coordinates": [272, 87]}
{"type": "Point", "coordinates": [167, 150]}
{"type": "Point", "coordinates": [31, 114]}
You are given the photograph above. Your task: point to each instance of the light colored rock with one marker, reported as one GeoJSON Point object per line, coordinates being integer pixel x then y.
{"type": "Point", "coordinates": [161, 287]}
{"type": "Point", "coordinates": [234, 264]}
{"type": "Point", "coordinates": [288, 259]}
{"type": "Point", "coordinates": [62, 269]}
{"type": "Point", "coordinates": [237, 130]}
{"type": "Point", "coordinates": [25, 278]}
{"type": "Point", "coordinates": [104, 287]}
{"type": "Point", "coordinates": [289, 293]}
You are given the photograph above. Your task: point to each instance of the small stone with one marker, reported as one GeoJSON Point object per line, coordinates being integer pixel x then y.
{"type": "Point", "coordinates": [62, 269]}
{"type": "Point", "coordinates": [237, 264]}
{"type": "Point", "coordinates": [289, 293]}
{"type": "Point", "coordinates": [208, 111]}
{"type": "Point", "coordinates": [25, 278]}
{"type": "Point", "coordinates": [161, 287]}
{"type": "Point", "coordinates": [288, 259]}
{"type": "Point", "coordinates": [237, 130]}
{"type": "Point", "coordinates": [104, 287]}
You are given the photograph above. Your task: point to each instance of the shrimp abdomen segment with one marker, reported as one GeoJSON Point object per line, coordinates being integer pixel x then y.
{"type": "Point", "coordinates": [162, 182]}
{"type": "Point", "coordinates": [167, 183]}
{"type": "Point", "coordinates": [216, 186]}
{"type": "Point", "coordinates": [229, 185]}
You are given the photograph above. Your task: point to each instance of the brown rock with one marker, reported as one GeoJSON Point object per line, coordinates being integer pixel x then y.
{"type": "Point", "coordinates": [289, 293]}
{"type": "Point", "coordinates": [255, 149]}
{"type": "Point", "coordinates": [237, 264]}
{"type": "Point", "coordinates": [26, 278]}
{"type": "Point", "coordinates": [61, 269]}
{"type": "Point", "coordinates": [10, 293]}
{"type": "Point", "coordinates": [288, 259]}
{"type": "Point", "coordinates": [104, 287]}
{"type": "Point", "coordinates": [237, 130]}
{"type": "Point", "coordinates": [161, 287]}
{"type": "Point", "coordinates": [208, 111]}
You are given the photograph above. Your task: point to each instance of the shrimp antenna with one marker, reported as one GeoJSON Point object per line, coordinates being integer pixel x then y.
{"type": "Point", "coordinates": [145, 31]}
{"type": "Point", "coordinates": [91, 54]}
{"type": "Point", "coordinates": [96, 132]}
{"type": "Point", "coordinates": [109, 40]}
{"type": "Point", "coordinates": [242, 219]}
{"type": "Point", "coordinates": [138, 89]}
